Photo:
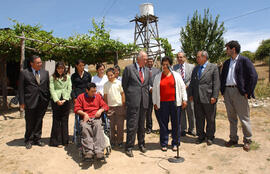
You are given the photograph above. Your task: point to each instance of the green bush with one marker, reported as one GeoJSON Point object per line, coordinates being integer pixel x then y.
{"type": "Point", "coordinates": [249, 55]}
{"type": "Point", "coordinates": [262, 89]}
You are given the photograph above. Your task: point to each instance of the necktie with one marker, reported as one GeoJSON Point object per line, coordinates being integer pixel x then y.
{"type": "Point", "coordinates": [37, 77]}
{"type": "Point", "coordinates": [150, 72]}
{"type": "Point", "coordinates": [182, 71]}
{"type": "Point", "coordinates": [141, 74]}
{"type": "Point", "coordinates": [200, 72]}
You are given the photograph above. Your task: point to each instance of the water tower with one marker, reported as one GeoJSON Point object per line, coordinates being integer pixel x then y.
{"type": "Point", "coordinates": [146, 31]}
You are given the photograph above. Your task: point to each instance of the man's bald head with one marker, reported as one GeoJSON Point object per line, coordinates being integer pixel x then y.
{"type": "Point", "coordinates": [142, 58]}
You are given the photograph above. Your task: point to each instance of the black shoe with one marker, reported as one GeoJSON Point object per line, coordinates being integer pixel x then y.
{"type": "Point", "coordinates": [100, 155]}
{"type": "Point", "coordinates": [231, 143]}
{"type": "Point", "coordinates": [209, 142]}
{"type": "Point", "coordinates": [174, 148]}
{"type": "Point", "coordinates": [148, 131]}
{"type": "Point", "coordinates": [39, 143]}
{"type": "Point", "coordinates": [164, 149]}
{"type": "Point", "coordinates": [143, 149]}
{"type": "Point", "coordinates": [183, 134]}
{"type": "Point", "coordinates": [89, 157]}
{"type": "Point", "coordinates": [129, 153]}
{"type": "Point", "coordinates": [28, 145]}
{"type": "Point", "coordinates": [191, 133]}
{"type": "Point", "coordinates": [120, 145]}
{"type": "Point", "coordinates": [199, 141]}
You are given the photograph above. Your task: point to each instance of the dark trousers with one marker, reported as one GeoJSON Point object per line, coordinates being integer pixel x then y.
{"type": "Point", "coordinates": [59, 133]}
{"type": "Point", "coordinates": [205, 111]}
{"type": "Point", "coordinates": [149, 122]}
{"type": "Point", "coordinates": [169, 110]}
{"type": "Point", "coordinates": [135, 124]}
{"type": "Point", "coordinates": [33, 122]}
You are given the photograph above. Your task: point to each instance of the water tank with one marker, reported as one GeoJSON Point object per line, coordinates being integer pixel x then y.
{"type": "Point", "coordinates": [146, 9]}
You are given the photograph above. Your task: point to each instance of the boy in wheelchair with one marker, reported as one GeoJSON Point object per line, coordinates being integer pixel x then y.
{"type": "Point", "coordinates": [90, 107]}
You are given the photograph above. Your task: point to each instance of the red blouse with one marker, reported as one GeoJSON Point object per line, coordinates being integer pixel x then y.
{"type": "Point", "coordinates": [167, 88]}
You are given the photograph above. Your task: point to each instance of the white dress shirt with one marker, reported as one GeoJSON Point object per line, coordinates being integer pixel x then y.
{"type": "Point", "coordinates": [230, 81]}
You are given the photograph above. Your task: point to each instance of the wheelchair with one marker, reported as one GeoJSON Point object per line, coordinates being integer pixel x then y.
{"type": "Point", "coordinates": [106, 133]}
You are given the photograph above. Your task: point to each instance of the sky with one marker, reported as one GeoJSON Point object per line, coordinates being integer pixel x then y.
{"type": "Point", "coordinates": [245, 20]}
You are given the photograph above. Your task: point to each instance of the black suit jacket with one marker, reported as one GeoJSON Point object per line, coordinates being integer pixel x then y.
{"type": "Point", "coordinates": [245, 76]}
{"type": "Point", "coordinates": [134, 89]}
{"type": "Point", "coordinates": [30, 92]}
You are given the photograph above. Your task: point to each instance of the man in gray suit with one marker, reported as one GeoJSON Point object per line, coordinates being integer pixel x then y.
{"type": "Point", "coordinates": [185, 70]}
{"type": "Point", "coordinates": [152, 73]}
{"type": "Point", "coordinates": [135, 84]}
{"type": "Point", "coordinates": [203, 90]}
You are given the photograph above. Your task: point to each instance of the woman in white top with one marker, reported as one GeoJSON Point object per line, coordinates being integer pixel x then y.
{"type": "Point", "coordinates": [100, 79]}
{"type": "Point", "coordinates": [169, 95]}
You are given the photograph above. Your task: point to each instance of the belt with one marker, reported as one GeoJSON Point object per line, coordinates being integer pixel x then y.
{"type": "Point", "coordinates": [231, 86]}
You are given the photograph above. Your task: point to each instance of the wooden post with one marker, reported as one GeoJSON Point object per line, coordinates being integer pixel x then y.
{"type": "Point", "coordinates": [22, 51]}
{"type": "Point", "coordinates": [116, 59]}
{"type": "Point", "coordinates": [4, 83]}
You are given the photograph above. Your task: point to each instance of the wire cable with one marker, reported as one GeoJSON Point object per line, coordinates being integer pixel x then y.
{"type": "Point", "coordinates": [246, 14]}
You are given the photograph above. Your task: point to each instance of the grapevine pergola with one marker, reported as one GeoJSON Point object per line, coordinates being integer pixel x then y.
{"type": "Point", "coordinates": [22, 40]}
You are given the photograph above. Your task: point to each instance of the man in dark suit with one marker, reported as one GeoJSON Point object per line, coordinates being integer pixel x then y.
{"type": "Point", "coordinates": [135, 83]}
{"type": "Point", "coordinates": [34, 97]}
{"type": "Point", "coordinates": [152, 73]}
{"type": "Point", "coordinates": [185, 70]}
{"type": "Point", "coordinates": [203, 90]}
{"type": "Point", "coordinates": [238, 81]}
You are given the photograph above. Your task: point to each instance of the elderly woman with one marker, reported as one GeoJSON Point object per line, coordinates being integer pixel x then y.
{"type": "Point", "coordinates": [169, 94]}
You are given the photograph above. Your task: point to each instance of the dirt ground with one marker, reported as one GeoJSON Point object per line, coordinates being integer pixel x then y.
{"type": "Point", "coordinates": [15, 159]}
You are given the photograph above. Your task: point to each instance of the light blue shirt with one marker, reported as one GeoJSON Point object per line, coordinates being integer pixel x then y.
{"type": "Point", "coordinates": [202, 68]}
{"type": "Point", "coordinates": [230, 81]}
{"type": "Point", "coordinates": [34, 72]}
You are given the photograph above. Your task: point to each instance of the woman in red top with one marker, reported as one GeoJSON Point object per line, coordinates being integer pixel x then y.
{"type": "Point", "coordinates": [169, 94]}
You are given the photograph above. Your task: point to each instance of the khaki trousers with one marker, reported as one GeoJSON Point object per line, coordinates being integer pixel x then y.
{"type": "Point", "coordinates": [117, 117]}
{"type": "Point", "coordinates": [237, 106]}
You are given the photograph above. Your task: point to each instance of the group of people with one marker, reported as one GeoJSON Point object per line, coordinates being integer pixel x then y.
{"type": "Point", "coordinates": [176, 93]}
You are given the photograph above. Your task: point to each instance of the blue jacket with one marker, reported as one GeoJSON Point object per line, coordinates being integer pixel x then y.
{"type": "Point", "coordinates": [245, 76]}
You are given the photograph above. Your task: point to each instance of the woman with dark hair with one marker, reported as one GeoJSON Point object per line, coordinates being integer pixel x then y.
{"type": "Point", "coordinates": [79, 80]}
{"type": "Point", "coordinates": [169, 94]}
{"type": "Point", "coordinates": [117, 72]}
{"type": "Point", "coordinates": [60, 89]}
{"type": "Point", "coordinates": [100, 79]}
